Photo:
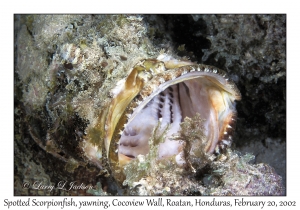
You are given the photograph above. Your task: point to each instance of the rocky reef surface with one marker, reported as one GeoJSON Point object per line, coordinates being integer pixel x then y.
{"type": "Point", "coordinates": [66, 66]}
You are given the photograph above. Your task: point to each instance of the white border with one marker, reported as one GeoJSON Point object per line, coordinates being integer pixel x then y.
{"type": "Point", "coordinates": [153, 6]}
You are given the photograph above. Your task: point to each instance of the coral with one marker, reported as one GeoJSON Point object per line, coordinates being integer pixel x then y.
{"type": "Point", "coordinates": [276, 156]}
{"type": "Point", "coordinates": [146, 175]}
{"type": "Point", "coordinates": [239, 177]}
{"type": "Point", "coordinates": [230, 174]}
{"type": "Point", "coordinates": [225, 174]}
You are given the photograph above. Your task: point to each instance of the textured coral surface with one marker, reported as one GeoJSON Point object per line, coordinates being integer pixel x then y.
{"type": "Point", "coordinates": [67, 65]}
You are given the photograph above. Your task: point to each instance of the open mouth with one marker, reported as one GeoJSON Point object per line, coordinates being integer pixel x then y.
{"type": "Point", "coordinates": [170, 103]}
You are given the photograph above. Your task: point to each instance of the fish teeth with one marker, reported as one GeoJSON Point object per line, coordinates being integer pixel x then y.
{"type": "Point", "coordinates": [184, 72]}
{"type": "Point", "coordinates": [161, 80]}
{"type": "Point", "coordinates": [167, 99]}
{"type": "Point", "coordinates": [226, 142]}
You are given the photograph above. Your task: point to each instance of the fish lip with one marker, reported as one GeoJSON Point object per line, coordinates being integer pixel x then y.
{"type": "Point", "coordinates": [157, 85]}
{"type": "Point", "coordinates": [130, 156]}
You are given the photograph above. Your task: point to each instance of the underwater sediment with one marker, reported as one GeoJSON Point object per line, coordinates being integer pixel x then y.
{"type": "Point", "coordinates": [75, 75]}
